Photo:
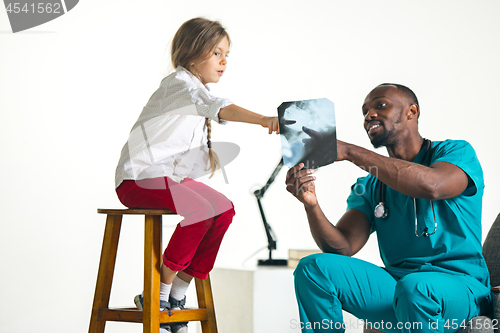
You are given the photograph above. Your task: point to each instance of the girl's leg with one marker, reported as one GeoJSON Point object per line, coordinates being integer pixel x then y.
{"type": "Point", "coordinates": [167, 275]}
{"type": "Point", "coordinates": [198, 216]}
{"type": "Point", "coordinates": [198, 206]}
{"type": "Point", "coordinates": [203, 260]}
{"type": "Point", "coordinates": [161, 193]}
{"type": "Point", "coordinates": [206, 250]}
{"type": "Point", "coordinates": [217, 200]}
{"type": "Point", "coordinates": [326, 284]}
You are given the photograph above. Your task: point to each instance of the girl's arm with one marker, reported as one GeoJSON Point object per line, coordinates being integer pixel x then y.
{"type": "Point", "coordinates": [235, 113]}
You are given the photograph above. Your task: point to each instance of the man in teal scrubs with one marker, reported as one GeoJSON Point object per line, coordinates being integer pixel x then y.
{"type": "Point", "coordinates": [428, 229]}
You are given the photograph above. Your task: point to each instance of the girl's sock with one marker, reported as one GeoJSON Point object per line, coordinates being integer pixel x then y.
{"type": "Point", "coordinates": [165, 291]}
{"type": "Point", "coordinates": [179, 288]}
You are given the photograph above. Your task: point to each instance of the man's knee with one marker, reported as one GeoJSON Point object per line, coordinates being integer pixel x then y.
{"type": "Point", "coordinates": [311, 263]}
{"type": "Point", "coordinates": [310, 278]}
{"type": "Point", "coordinates": [413, 291]}
{"type": "Point", "coordinates": [324, 269]}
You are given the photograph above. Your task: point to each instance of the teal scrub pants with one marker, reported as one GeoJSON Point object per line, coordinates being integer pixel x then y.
{"type": "Point", "coordinates": [326, 284]}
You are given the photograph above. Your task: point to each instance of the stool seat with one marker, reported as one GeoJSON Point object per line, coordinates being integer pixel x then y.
{"type": "Point", "coordinates": [151, 316]}
{"type": "Point", "coordinates": [136, 211]}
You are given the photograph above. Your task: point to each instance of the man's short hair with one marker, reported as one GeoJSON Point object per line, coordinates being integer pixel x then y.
{"type": "Point", "coordinates": [406, 91]}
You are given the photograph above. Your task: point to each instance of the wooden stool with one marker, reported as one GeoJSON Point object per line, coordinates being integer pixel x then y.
{"type": "Point", "coordinates": [151, 316]}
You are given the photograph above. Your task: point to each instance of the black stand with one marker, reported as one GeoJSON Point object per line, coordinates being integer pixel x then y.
{"type": "Point", "coordinates": [271, 237]}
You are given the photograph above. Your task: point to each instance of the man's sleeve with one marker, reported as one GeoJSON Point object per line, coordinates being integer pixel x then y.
{"type": "Point", "coordinates": [361, 198]}
{"type": "Point", "coordinates": [461, 154]}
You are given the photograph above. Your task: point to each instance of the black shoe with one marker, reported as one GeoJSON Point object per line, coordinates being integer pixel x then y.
{"type": "Point", "coordinates": [174, 304]}
{"type": "Point", "coordinates": [139, 303]}
{"type": "Point", "coordinates": [164, 306]}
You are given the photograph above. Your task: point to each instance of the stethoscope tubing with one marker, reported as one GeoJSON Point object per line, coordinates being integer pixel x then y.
{"type": "Point", "coordinates": [381, 211]}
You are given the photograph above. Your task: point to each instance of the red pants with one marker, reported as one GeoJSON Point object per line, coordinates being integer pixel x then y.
{"type": "Point", "coordinates": [207, 215]}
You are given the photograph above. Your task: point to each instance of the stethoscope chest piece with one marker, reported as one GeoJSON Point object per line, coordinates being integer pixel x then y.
{"type": "Point", "coordinates": [381, 211]}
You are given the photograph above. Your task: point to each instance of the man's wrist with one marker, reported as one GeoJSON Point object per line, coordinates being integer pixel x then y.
{"type": "Point", "coordinates": [311, 207]}
{"type": "Point", "coordinates": [349, 151]}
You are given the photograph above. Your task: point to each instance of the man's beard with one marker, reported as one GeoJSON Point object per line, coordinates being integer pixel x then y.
{"type": "Point", "coordinates": [382, 139]}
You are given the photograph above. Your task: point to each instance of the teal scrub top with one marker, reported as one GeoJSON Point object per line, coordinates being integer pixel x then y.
{"type": "Point", "coordinates": [456, 246]}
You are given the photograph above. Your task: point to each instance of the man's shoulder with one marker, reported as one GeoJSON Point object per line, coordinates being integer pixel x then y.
{"type": "Point", "coordinates": [441, 148]}
{"type": "Point", "coordinates": [367, 180]}
{"type": "Point", "coordinates": [451, 143]}
{"type": "Point", "coordinates": [460, 153]}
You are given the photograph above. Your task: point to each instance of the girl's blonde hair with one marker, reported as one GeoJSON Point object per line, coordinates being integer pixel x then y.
{"type": "Point", "coordinates": [195, 41]}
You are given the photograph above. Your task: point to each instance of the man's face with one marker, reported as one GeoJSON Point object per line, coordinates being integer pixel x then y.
{"type": "Point", "coordinates": [383, 110]}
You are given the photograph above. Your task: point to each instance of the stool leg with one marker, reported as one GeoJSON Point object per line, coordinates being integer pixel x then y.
{"type": "Point", "coordinates": [106, 270]}
{"type": "Point", "coordinates": [152, 260]}
{"type": "Point", "coordinates": [205, 300]}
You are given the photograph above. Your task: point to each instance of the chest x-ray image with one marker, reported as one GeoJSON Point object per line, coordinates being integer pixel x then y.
{"type": "Point", "coordinates": [308, 132]}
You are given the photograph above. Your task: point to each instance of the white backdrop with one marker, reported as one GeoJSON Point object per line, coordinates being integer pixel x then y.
{"type": "Point", "coordinates": [71, 89]}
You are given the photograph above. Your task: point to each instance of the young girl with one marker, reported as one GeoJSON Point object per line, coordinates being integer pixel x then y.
{"type": "Point", "coordinates": [166, 157]}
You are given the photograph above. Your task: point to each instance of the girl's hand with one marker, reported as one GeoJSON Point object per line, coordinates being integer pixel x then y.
{"type": "Point", "coordinates": [271, 123]}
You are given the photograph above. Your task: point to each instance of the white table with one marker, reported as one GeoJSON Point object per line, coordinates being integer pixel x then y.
{"type": "Point", "coordinates": [257, 300]}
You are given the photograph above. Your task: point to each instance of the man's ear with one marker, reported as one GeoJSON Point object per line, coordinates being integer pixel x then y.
{"type": "Point", "coordinates": [413, 111]}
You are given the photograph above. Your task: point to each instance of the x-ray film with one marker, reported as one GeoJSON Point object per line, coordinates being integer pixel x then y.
{"type": "Point", "coordinates": [308, 132]}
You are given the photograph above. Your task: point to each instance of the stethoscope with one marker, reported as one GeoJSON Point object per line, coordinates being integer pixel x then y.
{"type": "Point", "coordinates": [381, 211]}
